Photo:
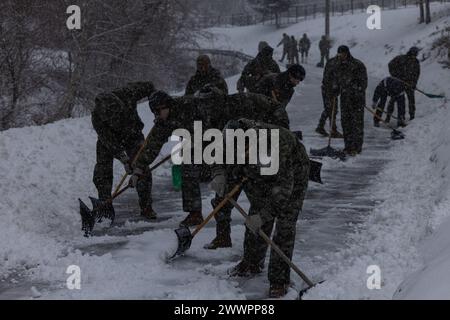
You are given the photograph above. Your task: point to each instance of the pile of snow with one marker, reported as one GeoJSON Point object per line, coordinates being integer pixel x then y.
{"type": "Point", "coordinates": [43, 172]}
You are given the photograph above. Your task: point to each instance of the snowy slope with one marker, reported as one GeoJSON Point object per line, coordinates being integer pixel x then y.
{"type": "Point", "coordinates": [45, 169]}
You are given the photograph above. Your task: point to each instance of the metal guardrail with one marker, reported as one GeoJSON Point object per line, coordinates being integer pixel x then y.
{"type": "Point", "coordinates": [302, 12]}
{"type": "Point", "coordinates": [229, 53]}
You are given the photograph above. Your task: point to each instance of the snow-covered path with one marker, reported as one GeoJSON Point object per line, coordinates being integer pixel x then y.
{"type": "Point", "coordinates": [331, 211]}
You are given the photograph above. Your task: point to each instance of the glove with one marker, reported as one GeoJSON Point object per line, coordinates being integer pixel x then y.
{"type": "Point", "coordinates": [335, 91]}
{"type": "Point", "coordinates": [254, 223]}
{"type": "Point", "coordinates": [125, 160]}
{"type": "Point", "coordinates": [137, 174]}
{"type": "Point", "coordinates": [219, 183]}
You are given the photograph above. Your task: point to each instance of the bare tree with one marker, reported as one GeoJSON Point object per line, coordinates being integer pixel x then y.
{"type": "Point", "coordinates": [422, 11]}
{"type": "Point", "coordinates": [427, 12]}
{"type": "Point", "coordinates": [48, 72]}
{"type": "Point", "coordinates": [22, 59]}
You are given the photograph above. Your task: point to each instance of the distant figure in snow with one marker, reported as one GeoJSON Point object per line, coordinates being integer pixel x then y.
{"type": "Point", "coordinates": [285, 42]}
{"type": "Point", "coordinates": [304, 45]}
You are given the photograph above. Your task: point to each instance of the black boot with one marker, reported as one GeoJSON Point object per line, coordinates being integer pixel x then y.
{"type": "Point", "coordinates": [376, 123]}
{"type": "Point", "coordinates": [388, 118]}
{"type": "Point", "coordinates": [321, 130]}
{"type": "Point", "coordinates": [222, 239]}
{"type": "Point", "coordinates": [401, 123]}
{"type": "Point", "coordinates": [149, 213]}
{"type": "Point", "coordinates": [278, 290]}
{"type": "Point", "coordinates": [244, 269]}
{"type": "Point", "coordinates": [193, 219]}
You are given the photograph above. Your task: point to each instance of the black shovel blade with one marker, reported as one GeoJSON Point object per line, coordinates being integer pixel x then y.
{"type": "Point", "coordinates": [397, 135]}
{"type": "Point", "coordinates": [103, 209]}
{"type": "Point", "coordinates": [184, 236]}
{"type": "Point", "coordinates": [314, 171]}
{"type": "Point", "coordinates": [87, 219]}
{"type": "Point", "coordinates": [328, 152]}
{"type": "Point", "coordinates": [303, 291]}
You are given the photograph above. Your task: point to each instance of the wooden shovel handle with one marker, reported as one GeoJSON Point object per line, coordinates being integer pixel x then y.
{"type": "Point", "coordinates": [137, 155]}
{"type": "Point", "coordinates": [273, 245]}
{"type": "Point", "coordinates": [220, 206]}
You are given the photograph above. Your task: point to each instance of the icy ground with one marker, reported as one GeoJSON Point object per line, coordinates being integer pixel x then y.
{"type": "Point", "coordinates": [375, 209]}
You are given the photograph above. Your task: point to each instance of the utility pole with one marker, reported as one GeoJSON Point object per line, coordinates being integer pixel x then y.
{"type": "Point", "coordinates": [327, 18]}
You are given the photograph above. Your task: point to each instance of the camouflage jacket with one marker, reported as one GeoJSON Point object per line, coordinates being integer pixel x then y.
{"type": "Point", "coordinates": [255, 70]}
{"type": "Point", "coordinates": [213, 77]}
{"type": "Point", "coordinates": [276, 86]}
{"type": "Point", "coordinates": [324, 46]}
{"type": "Point", "coordinates": [406, 68]}
{"type": "Point", "coordinates": [351, 77]}
{"type": "Point", "coordinates": [115, 117]}
{"type": "Point", "coordinates": [304, 44]}
{"type": "Point", "coordinates": [329, 81]}
{"type": "Point", "coordinates": [214, 112]}
{"type": "Point", "coordinates": [287, 188]}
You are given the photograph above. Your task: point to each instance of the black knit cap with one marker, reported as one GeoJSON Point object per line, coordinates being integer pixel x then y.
{"type": "Point", "coordinates": [157, 99]}
{"type": "Point", "coordinates": [343, 49]}
{"type": "Point", "coordinates": [297, 72]}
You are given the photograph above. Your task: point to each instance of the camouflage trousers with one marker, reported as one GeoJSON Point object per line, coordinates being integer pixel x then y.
{"type": "Point", "coordinates": [192, 176]}
{"type": "Point", "coordinates": [352, 120]}
{"type": "Point", "coordinates": [103, 174]}
{"type": "Point", "coordinates": [255, 248]}
{"type": "Point", "coordinates": [328, 110]}
{"type": "Point", "coordinates": [223, 217]}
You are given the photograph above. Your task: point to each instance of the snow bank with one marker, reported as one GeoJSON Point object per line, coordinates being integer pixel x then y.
{"type": "Point", "coordinates": [432, 280]}
{"type": "Point", "coordinates": [43, 172]}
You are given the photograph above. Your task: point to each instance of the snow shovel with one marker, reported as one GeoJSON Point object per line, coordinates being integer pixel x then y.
{"type": "Point", "coordinates": [184, 234]}
{"type": "Point", "coordinates": [104, 208]}
{"type": "Point", "coordinates": [395, 134]}
{"type": "Point", "coordinates": [315, 166]}
{"type": "Point", "coordinates": [429, 95]}
{"type": "Point", "coordinates": [278, 251]}
{"type": "Point", "coordinates": [315, 169]}
{"type": "Point", "coordinates": [385, 112]}
{"type": "Point", "coordinates": [329, 151]}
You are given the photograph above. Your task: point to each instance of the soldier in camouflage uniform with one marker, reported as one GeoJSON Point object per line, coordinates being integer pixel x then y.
{"type": "Point", "coordinates": [280, 87]}
{"type": "Point", "coordinates": [206, 75]}
{"type": "Point", "coordinates": [330, 92]}
{"type": "Point", "coordinates": [304, 44]}
{"type": "Point", "coordinates": [274, 199]}
{"type": "Point", "coordinates": [119, 129]}
{"type": "Point", "coordinates": [324, 48]}
{"type": "Point", "coordinates": [285, 42]}
{"type": "Point", "coordinates": [253, 72]}
{"type": "Point", "coordinates": [223, 217]}
{"type": "Point", "coordinates": [407, 68]}
{"type": "Point", "coordinates": [213, 110]}
{"type": "Point", "coordinates": [294, 58]}
{"type": "Point", "coordinates": [351, 76]}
